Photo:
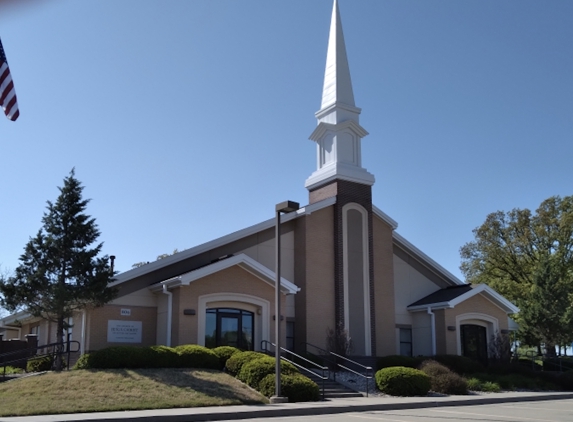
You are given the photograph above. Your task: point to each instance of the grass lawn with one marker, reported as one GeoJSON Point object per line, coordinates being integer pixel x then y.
{"type": "Point", "coordinates": [122, 389]}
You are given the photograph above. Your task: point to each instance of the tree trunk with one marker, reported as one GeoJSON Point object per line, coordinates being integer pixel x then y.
{"type": "Point", "coordinates": [59, 358]}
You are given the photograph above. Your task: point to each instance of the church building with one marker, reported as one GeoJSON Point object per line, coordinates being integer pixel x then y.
{"type": "Point", "coordinates": [344, 265]}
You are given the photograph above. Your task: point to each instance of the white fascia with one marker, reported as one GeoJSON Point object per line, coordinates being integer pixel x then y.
{"type": "Point", "coordinates": [490, 294]}
{"type": "Point", "coordinates": [224, 240]}
{"type": "Point", "coordinates": [426, 259]}
{"type": "Point", "coordinates": [483, 289]}
{"type": "Point", "coordinates": [15, 318]}
{"type": "Point", "coordinates": [339, 171]}
{"type": "Point", "coordinates": [242, 260]}
{"type": "Point", "coordinates": [381, 214]}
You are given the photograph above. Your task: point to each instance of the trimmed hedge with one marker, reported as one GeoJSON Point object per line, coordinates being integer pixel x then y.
{"type": "Point", "coordinates": [398, 360]}
{"type": "Point", "coordinates": [402, 381]}
{"type": "Point", "coordinates": [295, 386]}
{"type": "Point", "coordinates": [565, 380]}
{"type": "Point", "coordinates": [224, 353]}
{"type": "Point", "coordinates": [237, 360]}
{"type": "Point", "coordinates": [255, 370]}
{"type": "Point", "coordinates": [195, 356]}
{"type": "Point", "coordinates": [186, 356]}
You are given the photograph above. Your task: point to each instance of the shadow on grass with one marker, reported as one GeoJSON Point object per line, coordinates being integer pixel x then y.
{"type": "Point", "coordinates": [211, 383]}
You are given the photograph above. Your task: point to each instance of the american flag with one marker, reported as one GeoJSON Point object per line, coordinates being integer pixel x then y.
{"type": "Point", "coordinates": [7, 93]}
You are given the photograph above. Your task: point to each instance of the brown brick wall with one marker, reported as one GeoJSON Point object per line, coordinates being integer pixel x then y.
{"type": "Point", "coordinates": [320, 276]}
{"type": "Point", "coordinates": [384, 309]}
{"type": "Point", "coordinates": [97, 325]}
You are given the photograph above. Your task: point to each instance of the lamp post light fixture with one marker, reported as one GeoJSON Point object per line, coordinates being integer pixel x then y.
{"type": "Point", "coordinates": [283, 207]}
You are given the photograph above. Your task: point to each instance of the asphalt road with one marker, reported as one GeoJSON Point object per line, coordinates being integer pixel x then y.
{"type": "Point", "coordinates": [540, 411]}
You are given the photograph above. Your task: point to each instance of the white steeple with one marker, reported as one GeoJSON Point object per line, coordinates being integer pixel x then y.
{"type": "Point", "coordinates": [338, 134]}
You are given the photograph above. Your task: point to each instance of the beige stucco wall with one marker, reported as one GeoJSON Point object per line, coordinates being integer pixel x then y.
{"type": "Point", "coordinates": [264, 252]}
{"type": "Point", "coordinates": [319, 275]}
{"type": "Point", "coordinates": [97, 323]}
{"type": "Point", "coordinates": [234, 280]}
{"type": "Point", "coordinates": [409, 286]}
{"type": "Point", "coordinates": [384, 288]}
{"type": "Point", "coordinates": [448, 341]}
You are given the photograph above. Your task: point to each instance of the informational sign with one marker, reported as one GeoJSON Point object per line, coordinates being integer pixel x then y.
{"type": "Point", "coordinates": [123, 331]}
{"type": "Point", "coordinates": [125, 312]}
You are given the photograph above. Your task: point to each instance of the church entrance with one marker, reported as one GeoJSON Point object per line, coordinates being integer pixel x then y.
{"type": "Point", "coordinates": [229, 327]}
{"type": "Point", "coordinates": [474, 342]}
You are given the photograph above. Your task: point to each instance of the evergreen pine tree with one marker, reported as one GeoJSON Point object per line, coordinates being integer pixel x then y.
{"type": "Point", "coordinates": [60, 271]}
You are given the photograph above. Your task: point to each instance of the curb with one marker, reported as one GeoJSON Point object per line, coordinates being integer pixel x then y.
{"type": "Point", "coordinates": [335, 406]}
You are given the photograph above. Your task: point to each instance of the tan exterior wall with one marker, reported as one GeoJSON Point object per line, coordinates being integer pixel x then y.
{"type": "Point", "coordinates": [320, 300]}
{"type": "Point", "coordinates": [234, 280]}
{"type": "Point", "coordinates": [97, 325]}
{"type": "Point", "coordinates": [384, 288]}
{"type": "Point", "coordinates": [447, 341]}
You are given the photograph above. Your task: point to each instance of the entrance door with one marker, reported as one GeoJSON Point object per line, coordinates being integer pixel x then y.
{"type": "Point", "coordinates": [474, 342]}
{"type": "Point", "coordinates": [229, 327]}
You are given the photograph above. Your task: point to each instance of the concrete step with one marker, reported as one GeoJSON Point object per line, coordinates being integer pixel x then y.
{"type": "Point", "coordinates": [333, 389]}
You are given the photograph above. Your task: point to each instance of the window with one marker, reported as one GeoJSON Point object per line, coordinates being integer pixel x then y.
{"type": "Point", "coordinates": [290, 335]}
{"type": "Point", "coordinates": [406, 341]}
{"type": "Point", "coordinates": [229, 327]}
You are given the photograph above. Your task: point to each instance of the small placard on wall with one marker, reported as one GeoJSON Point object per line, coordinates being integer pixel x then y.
{"type": "Point", "coordinates": [123, 331]}
{"type": "Point", "coordinates": [125, 312]}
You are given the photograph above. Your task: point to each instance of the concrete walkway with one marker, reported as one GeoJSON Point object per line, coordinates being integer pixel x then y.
{"type": "Point", "coordinates": [334, 406]}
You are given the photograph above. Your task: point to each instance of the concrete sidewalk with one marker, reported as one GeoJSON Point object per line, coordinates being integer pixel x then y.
{"type": "Point", "coordinates": [334, 406]}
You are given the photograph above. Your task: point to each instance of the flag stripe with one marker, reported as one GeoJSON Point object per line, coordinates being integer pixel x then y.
{"type": "Point", "coordinates": [8, 99]}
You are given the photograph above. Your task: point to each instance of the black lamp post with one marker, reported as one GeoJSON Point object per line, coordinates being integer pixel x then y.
{"type": "Point", "coordinates": [283, 207]}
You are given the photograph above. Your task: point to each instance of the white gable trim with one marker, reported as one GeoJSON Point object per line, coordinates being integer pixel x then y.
{"type": "Point", "coordinates": [244, 261]}
{"type": "Point", "coordinates": [385, 217]}
{"type": "Point", "coordinates": [483, 289]}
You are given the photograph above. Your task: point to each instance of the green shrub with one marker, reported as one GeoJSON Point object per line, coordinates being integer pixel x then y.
{"type": "Point", "coordinates": [195, 356]}
{"type": "Point", "coordinates": [565, 380]}
{"type": "Point", "coordinates": [475, 384]}
{"type": "Point", "coordinates": [9, 370]}
{"type": "Point", "coordinates": [295, 386]}
{"type": "Point", "coordinates": [397, 360]}
{"type": "Point", "coordinates": [164, 357]}
{"type": "Point", "coordinates": [255, 370]}
{"type": "Point", "coordinates": [224, 353]}
{"type": "Point", "coordinates": [237, 360]}
{"type": "Point", "coordinates": [40, 364]}
{"type": "Point", "coordinates": [84, 362]}
{"type": "Point", "coordinates": [121, 357]}
{"type": "Point", "coordinates": [460, 364]}
{"type": "Point", "coordinates": [402, 381]}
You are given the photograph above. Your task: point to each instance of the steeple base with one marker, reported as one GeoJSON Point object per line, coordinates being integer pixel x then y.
{"type": "Point", "coordinates": [340, 171]}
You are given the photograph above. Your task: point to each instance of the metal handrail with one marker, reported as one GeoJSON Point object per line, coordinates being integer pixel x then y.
{"type": "Point", "coordinates": [31, 352]}
{"type": "Point", "coordinates": [367, 376]}
{"type": "Point", "coordinates": [322, 377]}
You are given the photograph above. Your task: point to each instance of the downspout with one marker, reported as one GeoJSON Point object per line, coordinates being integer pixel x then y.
{"type": "Point", "coordinates": [433, 329]}
{"type": "Point", "coordinates": [169, 313]}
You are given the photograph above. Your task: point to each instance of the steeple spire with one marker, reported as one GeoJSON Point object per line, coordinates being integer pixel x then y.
{"type": "Point", "coordinates": [337, 84]}
{"type": "Point", "coordinates": [338, 134]}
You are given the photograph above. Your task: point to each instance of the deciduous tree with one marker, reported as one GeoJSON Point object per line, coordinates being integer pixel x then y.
{"type": "Point", "coordinates": [528, 257]}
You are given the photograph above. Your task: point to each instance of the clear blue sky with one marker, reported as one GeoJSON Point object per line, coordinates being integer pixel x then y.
{"type": "Point", "coordinates": [188, 120]}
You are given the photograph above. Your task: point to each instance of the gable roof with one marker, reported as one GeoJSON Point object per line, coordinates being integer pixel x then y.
{"type": "Point", "coordinates": [452, 296]}
{"type": "Point", "coordinates": [242, 260]}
